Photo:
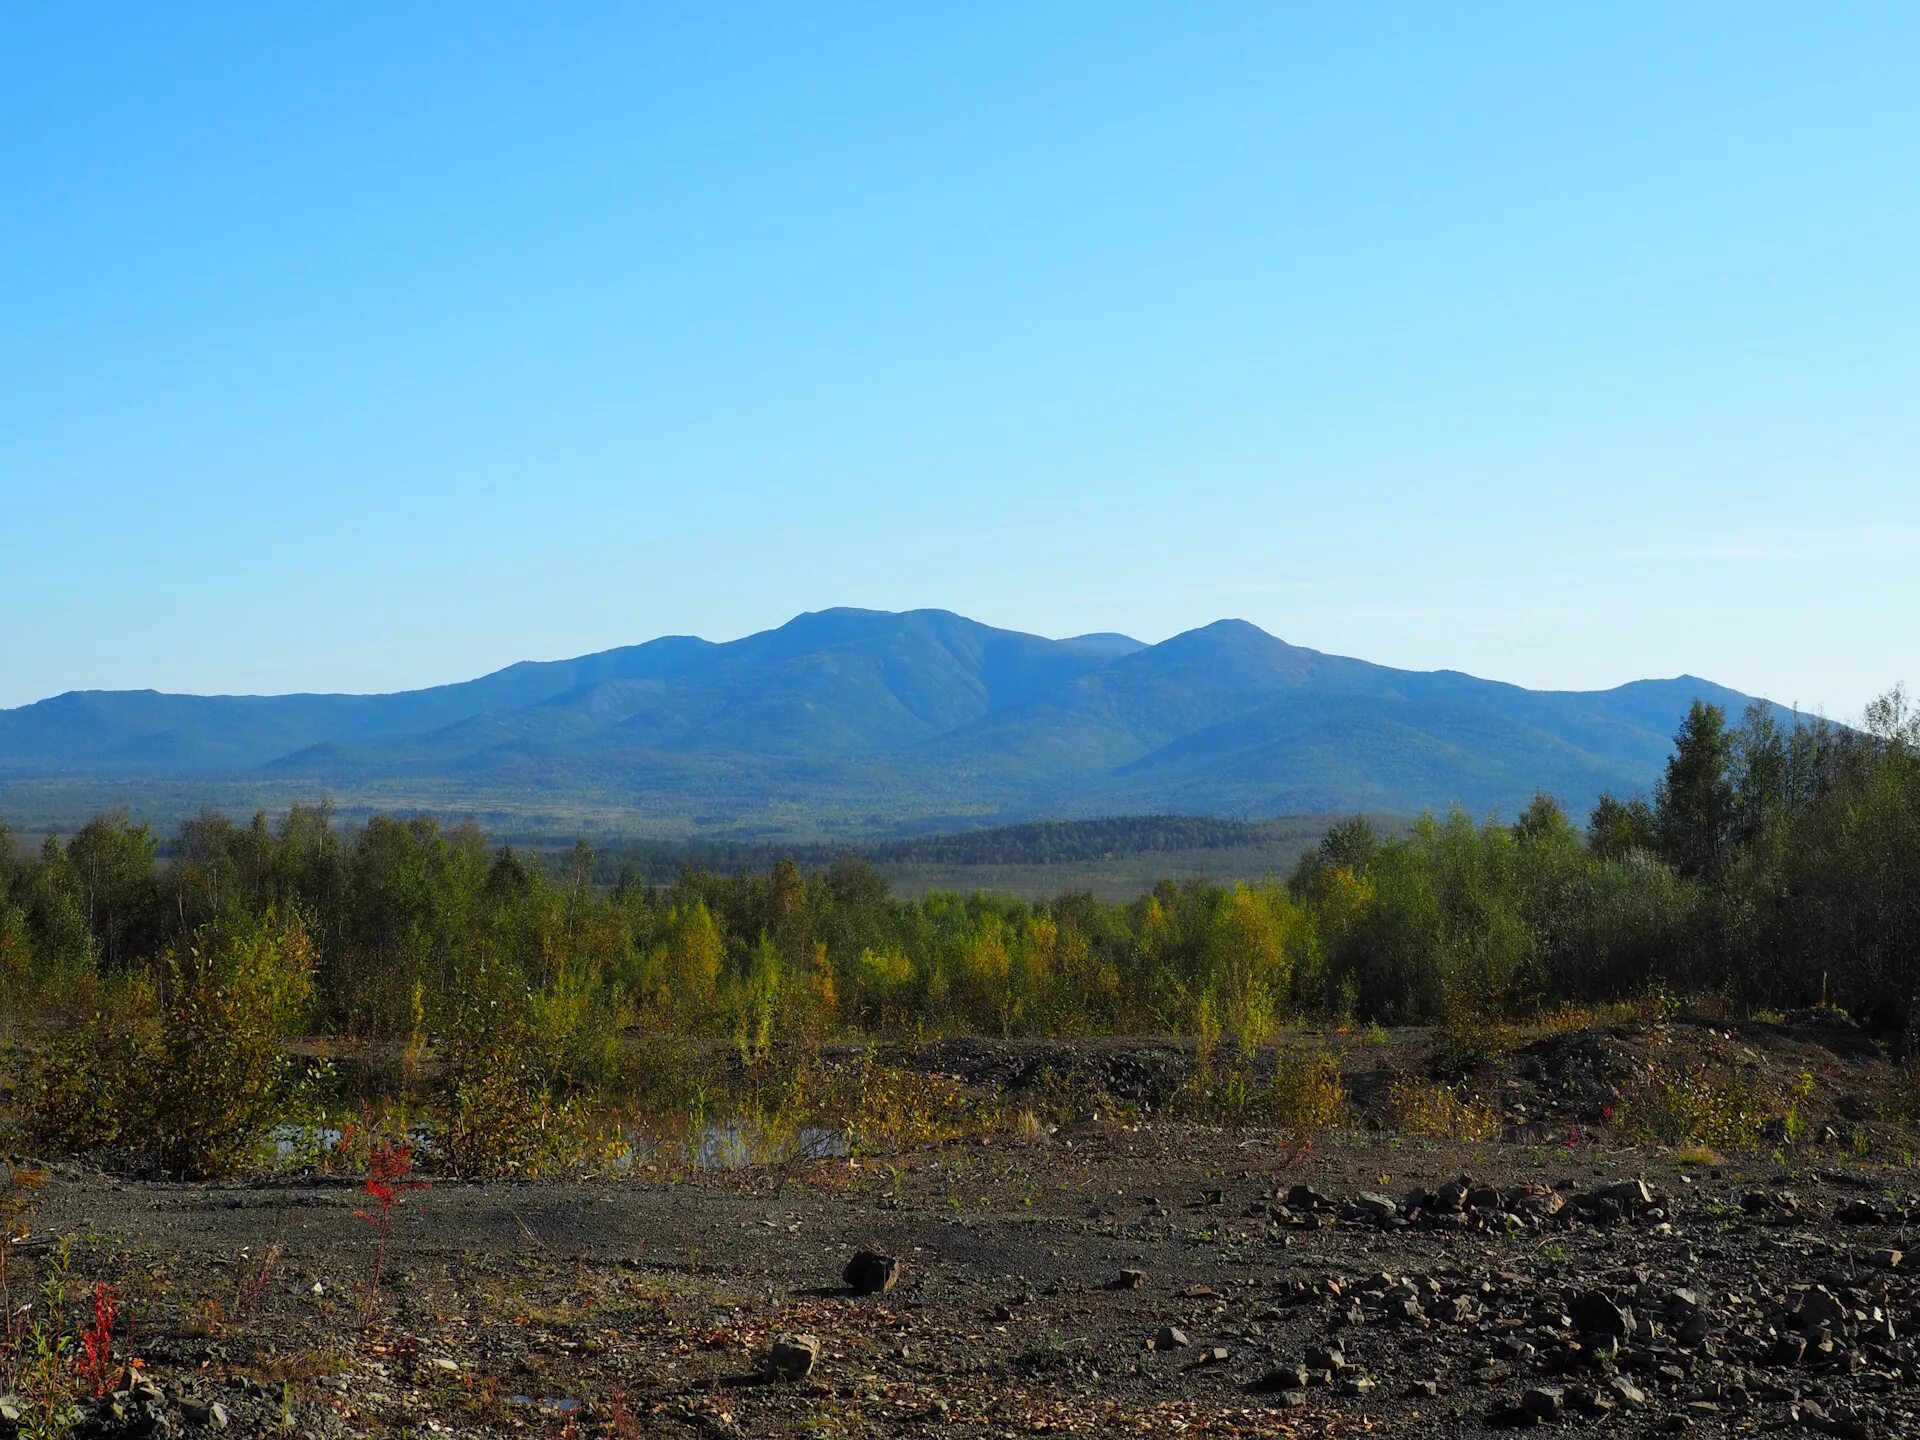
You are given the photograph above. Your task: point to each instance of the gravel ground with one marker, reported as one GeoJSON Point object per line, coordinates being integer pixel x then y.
{"type": "Point", "coordinates": [1106, 1276]}
{"type": "Point", "coordinates": [1148, 1278]}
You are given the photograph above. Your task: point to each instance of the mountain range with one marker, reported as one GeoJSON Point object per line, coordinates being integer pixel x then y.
{"type": "Point", "coordinates": [895, 721]}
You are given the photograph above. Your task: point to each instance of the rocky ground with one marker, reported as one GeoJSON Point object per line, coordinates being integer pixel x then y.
{"type": "Point", "coordinates": [1136, 1276]}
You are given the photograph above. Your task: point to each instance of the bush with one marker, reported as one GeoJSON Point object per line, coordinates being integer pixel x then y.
{"type": "Point", "coordinates": [189, 1070]}
{"type": "Point", "coordinates": [1689, 1100]}
{"type": "Point", "coordinates": [1308, 1092]}
{"type": "Point", "coordinates": [494, 1111]}
{"type": "Point", "coordinates": [227, 1006]}
{"type": "Point", "coordinates": [77, 1096]}
{"type": "Point", "coordinates": [1438, 1112]}
{"type": "Point", "coordinates": [1469, 1032]}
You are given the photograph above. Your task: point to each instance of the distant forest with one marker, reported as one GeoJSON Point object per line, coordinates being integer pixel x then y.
{"type": "Point", "coordinates": [153, 1004]}
{"type": "Point", "coordinates": [1780, 865]}
{"type": "Point", "coordinates": [1057, 844]}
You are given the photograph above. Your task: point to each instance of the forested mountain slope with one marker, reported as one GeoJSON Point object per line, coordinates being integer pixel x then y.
{"type": "Point", "coordinates": [895, 717]}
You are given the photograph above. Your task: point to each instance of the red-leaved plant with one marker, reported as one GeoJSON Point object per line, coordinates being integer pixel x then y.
{"type": "Point", "coordinates": [389, 1171]}
{"type": "Point", "coordinates": [95, 1360]}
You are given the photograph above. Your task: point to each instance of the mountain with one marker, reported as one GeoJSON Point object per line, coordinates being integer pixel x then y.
{"type": "Point", "coordinates": [888, 722]}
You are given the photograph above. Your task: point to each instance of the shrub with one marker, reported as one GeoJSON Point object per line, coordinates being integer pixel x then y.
{"type": "Point", "coordinates": [1692, 1101]}
{"type": "Point", "coordinates": [190, 1070]}
{"type": "Point", "coordinates": [77, 1095]}
{"type": "Point", "coordinates": [1905, 1102]}
{"type": "Point", "coordinates": [228, 1004]}
{"type": "Point", "coordinates": [1435, 1111]}
{"type": "Point", "coordinates": [1308, 1093]}
{"type": "Point", "coordinates": [1469, 1031]}
{"type": "Point", "coordinates": [494, 1111]}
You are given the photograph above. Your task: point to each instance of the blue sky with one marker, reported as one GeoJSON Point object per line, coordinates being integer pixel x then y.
{"type": "Point", "coordinates": [361, 347]}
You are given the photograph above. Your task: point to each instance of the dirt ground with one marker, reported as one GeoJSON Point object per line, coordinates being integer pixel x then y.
{"type": "Point", "coordinates": [1108, 1276]}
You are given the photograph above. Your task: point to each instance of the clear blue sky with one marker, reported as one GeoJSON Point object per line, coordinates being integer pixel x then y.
{"type": "Point", "coordinates": [361, 347]}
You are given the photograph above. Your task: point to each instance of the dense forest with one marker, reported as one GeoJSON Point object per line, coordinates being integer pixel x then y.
{"type": "Point", "coordinates": [1779, 864]}
{"type": "Point", "coordinates": [1776, 865]}
{"type": "Point", "coordinates": [1037, 846]}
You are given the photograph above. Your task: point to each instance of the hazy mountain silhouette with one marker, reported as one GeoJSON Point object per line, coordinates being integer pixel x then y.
{"type": "Point", "coordinates": [899, 716]}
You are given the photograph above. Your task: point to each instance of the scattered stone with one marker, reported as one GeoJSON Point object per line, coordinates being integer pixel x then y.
{"type": "Point", "coordinates": [794, 1356]}
{"type": "Point", "coordinates": [1283, 1377]}
{"type": "Point", "coordinates": [1375, 1206]}
{"type": "Point", "coordinates": [1631, 1195]}
{"type": "Point", "coordinates": [872, 1272]}
{"type": "Point", "coordinates": [1626, 1392]}
{"type": "Point", "coordinates": [1128, 1279]}
{"type": "Point", "coordinates": [1544, 1402]}
{"type": "Point", "coordinates": [1171, 1337]}
{"type": "Point", "coordinates": [1596, 1314]}
{"type": "Point", "coordinates": [1330, 1358]}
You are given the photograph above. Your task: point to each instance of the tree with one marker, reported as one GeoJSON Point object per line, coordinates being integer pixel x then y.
{"type": "Point", "coordinates": [1616, 828]}
{"type": "Point", "coordinates": [1695, 804]}
{"type": "Point", "coordinates": [113, 861]}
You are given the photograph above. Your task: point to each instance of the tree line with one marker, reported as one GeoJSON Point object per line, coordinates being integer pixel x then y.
{"type": "Point", "coordinates": [1779, 864]}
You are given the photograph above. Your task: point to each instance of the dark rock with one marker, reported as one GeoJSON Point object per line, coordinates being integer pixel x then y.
{"type": "Point", "coordinates": [1283, 1377]}
{"type": "Point", "coordinates": [794, 1356]}
{"type": "Point", "coordinates": [1626, 1392]}
{"type": "Point", "coordinates": [1594, 1314]}
{"type": "Point", "coordinates": [1544, 1402]}
{"type": "Point", "coordinates": [872, 1272]}
{"type": "Point", "coordinates": [1375, 1206]}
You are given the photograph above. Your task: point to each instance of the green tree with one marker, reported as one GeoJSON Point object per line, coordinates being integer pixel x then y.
{"type": "Point", "coordinates": [1695, 804]}
{"type": "Point", "coordinates": [1618, 828]}
{"type": "Point", "coordinates": [113, 861]}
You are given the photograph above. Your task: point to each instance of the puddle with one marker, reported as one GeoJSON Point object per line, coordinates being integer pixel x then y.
{"type": "Point", "coordinates": [548, 1404]}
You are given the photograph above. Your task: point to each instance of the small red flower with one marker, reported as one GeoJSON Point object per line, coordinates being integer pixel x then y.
{"type": "Point", "coordinates": [95, 1360]}
{"type": "Point", "coordinates": [388, 1167]}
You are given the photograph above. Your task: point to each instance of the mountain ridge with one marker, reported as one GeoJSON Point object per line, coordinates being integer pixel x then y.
{"type": "Point", "coordinates": [897, 715]}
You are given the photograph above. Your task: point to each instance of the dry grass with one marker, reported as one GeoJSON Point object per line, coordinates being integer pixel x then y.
{"type": "Point", "coordinates": [1308, 1093]}
{"type": "Point", "coordinates": [1433, 1111]}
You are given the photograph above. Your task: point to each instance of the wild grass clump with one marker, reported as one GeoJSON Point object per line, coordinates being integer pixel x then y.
{"type": "Point", "coordinates": [1224, 1088]}
{"type": "Point", "coordinates": [891, 1108]}
{"type": "Point", "coordinates": [1689, 1100]}
{"type": "Point", "coordinates": [1436, 1111]}
{"type": "Point", "coordinates": [62, 1342]}
{"type": "Point", "coordinates": [1470, 1031]}
{"type": "Point", "coordinates": [1903, 1105]}
{"type": "Point", "coordinates": [1308, 1093]}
